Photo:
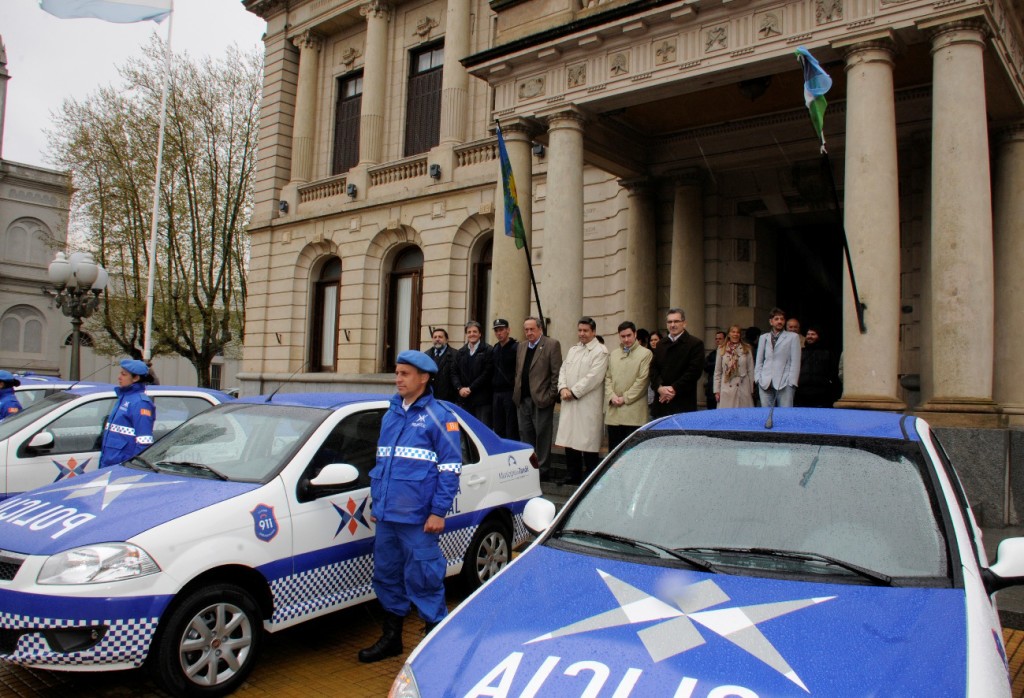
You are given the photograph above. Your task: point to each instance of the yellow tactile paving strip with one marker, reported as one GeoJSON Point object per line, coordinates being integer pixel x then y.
{"type": "Point", "coordinates": [314, 659]}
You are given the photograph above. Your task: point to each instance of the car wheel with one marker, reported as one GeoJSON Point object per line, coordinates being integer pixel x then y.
{"type": "Point", "coordinates": [489, 552]}
{"type": "Point", "coordinates": [209, 644]}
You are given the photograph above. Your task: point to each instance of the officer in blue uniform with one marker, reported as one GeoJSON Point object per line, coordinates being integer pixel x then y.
{"type": "Point", "coordinates": [8, 400]}
{"type": "Point", "coordinates": [413, 484]}
{"type": "Point", "coordinates": [129, 428]}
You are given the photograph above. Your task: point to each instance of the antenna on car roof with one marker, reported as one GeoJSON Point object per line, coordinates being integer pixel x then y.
{"type": "Point", "coordinates": [288, 379]}
{"type": "Point", "coordinates": [80, 380]}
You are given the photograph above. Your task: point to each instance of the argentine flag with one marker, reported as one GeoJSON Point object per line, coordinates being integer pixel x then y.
{"type": "Point", "coordinates": [122, 11]}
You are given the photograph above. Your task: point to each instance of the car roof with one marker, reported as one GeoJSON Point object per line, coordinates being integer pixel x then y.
{"type": "Point", "coordinates": [152, 389]}
{"type": "Point", "coordinates": [59, 385]}
{"type": "Point", "coordinates": [795, 420]}
{"type": "Point", "coordinates": [327, 401]}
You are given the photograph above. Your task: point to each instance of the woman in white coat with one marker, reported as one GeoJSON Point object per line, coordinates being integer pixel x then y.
{"type": "Point", "coordinates": [581, 389]}
{"type": "Point", "coordinates": [734, 371]}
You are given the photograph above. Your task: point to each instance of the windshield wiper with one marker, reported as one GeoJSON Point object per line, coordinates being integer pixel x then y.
{"type": "Point", "coordinates": [145, 463]}
{"type": "Point", "coordinates": [691, 560]}
{"type": "Point", "coordinates": [197, 466]}
{"type": "Point", "coordinates": [869, 574]}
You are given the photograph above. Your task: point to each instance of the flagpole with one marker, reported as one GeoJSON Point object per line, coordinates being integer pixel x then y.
{"type": "Point", "coordinates": [536, 293]}
{"type": "Point", "coordinates": [861, 307]}
{"type": "Point", "coordinates": [147, 347]}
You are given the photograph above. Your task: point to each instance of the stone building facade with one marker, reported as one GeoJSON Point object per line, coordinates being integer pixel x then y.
{"type": "Point", "coordinates": [663, 158]}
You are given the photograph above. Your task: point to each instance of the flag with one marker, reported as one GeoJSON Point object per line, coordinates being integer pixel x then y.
{"type": "Point", "coordinates": [513, 218]}
{"type": "Point", "coordinates": [816, 83]}
{"type": "Point", "coordinates": [121, 11]}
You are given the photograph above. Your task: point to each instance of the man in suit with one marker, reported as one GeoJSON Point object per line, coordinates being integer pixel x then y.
{"type": "Point", "coordinates": [777, 367]}
{"type": "Point", "coordinates": [474, 367]}
{"type": "Point", "coordinates": [444, 357]}
{"type": "Point", "coordinates": [538, 361]}
{"type": "Point", "coordinates": [677, 366]}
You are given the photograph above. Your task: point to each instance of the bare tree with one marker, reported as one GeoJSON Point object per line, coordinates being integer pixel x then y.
{"type": "Point", "coordinates": [109, 142]}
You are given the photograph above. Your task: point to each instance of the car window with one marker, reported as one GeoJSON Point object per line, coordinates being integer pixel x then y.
{"type": "Point", "coordinates": [469, 452]}
{"type": "Point", "coordinates": [16, 422]}
{"type": "Point", "coordinates": [863, 501]}
{"type": "Point", "coordinates": [27, 398]}
{"type": "Point", "coordinates": [354, 441]}
{"type": "Point", "coordinates": [172, 410]}
{"type": "Point", "coordinates": [81, 428]}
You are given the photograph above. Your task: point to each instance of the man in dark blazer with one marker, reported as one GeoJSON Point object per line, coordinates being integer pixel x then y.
{"type": "Point", "coordinates": [538, 361]}
{"type": "Point", "coordinates": [444, 356]}
{"type": "Point", "coordinates": [474, 367]}
{"type": "Point", "coordinates": [677, 367]}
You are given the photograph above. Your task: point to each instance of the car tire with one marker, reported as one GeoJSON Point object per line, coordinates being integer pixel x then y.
{"type": "Point", "coordinates": [489, 552]}
{"type": "Point", "coordinates": [192, 659]}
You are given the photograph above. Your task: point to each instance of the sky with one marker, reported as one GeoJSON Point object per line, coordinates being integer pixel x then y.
{"type": "Point", "coordinates": [51, 59]}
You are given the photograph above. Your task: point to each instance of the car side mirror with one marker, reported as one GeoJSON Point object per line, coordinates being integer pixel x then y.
{"type": "Point", "coordinates": [41, 441]}
{"type": "Point", "coordinates": [1008, 569]}
{"type": "Point", "coordinates": [335, 475]}
{"type": "Point", "coordinates": [538, 515]}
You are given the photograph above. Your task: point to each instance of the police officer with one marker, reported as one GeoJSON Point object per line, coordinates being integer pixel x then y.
{"type": "Point", "coordinates": [413, 484]}
{"type": "Point", "coordinates": [129, 428]}
{"type": "Point", "coordinates": [8, 400]}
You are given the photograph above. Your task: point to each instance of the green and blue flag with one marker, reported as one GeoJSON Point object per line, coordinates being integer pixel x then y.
{"type": "Point", "coordinates": [513, 218]}
{"type": "Point", "coordinates": [816, 83]}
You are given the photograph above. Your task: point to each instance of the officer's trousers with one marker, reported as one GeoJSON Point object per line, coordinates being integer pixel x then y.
{"type": "Point", "coordinates": [408, 567]}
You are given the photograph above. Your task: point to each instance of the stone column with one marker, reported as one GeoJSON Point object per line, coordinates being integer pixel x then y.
{"type": "Point", "coordinates": [872, 219]}
{"type": "Point", "coordinates": [304, 131]}
{"type": "Point", "coordinates": [686, 288]}
{"type": "Point", "coordinates": [962, 288]}
{"type": "Point", "coordinates": [641, 256]}
{"type": "Point", "coordinates": [562, 288]}
{"type": "Point", "coordinates": [375, 69]}
{"type": "Point", "coordinates": [1008, 211]}
{"type": "Point", "coordinates": [455, 79]}
{"type": "Point", "coordinates": [511, 292]}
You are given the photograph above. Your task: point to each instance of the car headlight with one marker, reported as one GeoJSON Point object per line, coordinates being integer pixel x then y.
{"type": "Point", "coordinates": [92, 564]}
{"type": "Point", "coordinates": [405, 684]}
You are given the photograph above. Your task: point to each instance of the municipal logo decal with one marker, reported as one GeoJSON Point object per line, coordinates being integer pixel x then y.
{"type": "Point", "coordinates": [264, 522]}
{"type": "Point", "coordinates": [678, 630]}
{"type": "Point", "coordinates": [352, 515]}
{"type": "Point", "coordinates": [70, 469]}
{"type": "Point", "coordinates": [420, 423]}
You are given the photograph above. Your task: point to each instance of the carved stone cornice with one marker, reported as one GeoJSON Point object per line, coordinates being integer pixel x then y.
{"type": "Point", "coordinates": [564, 115]}
{"type": "Point", "coordinates": [377, 10]}
{"type": "Point", "coordinates": [969, 29]}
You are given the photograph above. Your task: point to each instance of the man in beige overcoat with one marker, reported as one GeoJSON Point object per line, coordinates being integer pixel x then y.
{"type": "Point", "coordinates": [581, 388]}
{"type": "Point", "coordinates": [625, 386]}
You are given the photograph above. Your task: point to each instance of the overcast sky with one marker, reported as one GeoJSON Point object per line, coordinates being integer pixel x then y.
{"type": "Point", "coordinates": [51, 59]}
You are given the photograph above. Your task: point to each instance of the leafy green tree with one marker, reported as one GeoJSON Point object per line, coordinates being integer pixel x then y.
{"type": "Point", "coordinates": [108, 141]}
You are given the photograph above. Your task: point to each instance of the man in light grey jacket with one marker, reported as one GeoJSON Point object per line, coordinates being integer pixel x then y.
{"type": "Point", "coordinates": [777, 367]}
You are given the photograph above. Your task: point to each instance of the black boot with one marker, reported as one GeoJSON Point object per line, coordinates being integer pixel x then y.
{"type": "Point", "coordinates": [389, 644]}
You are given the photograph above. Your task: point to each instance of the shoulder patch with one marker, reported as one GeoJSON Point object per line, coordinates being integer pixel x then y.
{"type": "Point", "coordinates": [452, 426]}
{"type": "Point", "coordinates": [145, 412]}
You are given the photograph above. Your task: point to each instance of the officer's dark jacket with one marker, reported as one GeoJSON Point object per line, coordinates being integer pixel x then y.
{"type": "Point", "coordinates": [129, 428]}
{"type": "Point", "coordinates": [8, 403]}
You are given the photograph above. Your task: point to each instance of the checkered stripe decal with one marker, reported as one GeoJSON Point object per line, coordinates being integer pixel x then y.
{"type": "Point", "coordinates": [126, 641]}
{"type": "Point", "coordinates": [520, 533]}
{"type": "Point", "coordinates": [143, 440]}
{"type": "Point", "coordinates": [415, 453]}
{"type": "Point", "coordinates": [449, 468]}
{"type": "Point", "coordinates": [119, 429]}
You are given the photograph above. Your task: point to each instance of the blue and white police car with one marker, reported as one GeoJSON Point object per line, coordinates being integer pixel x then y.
{"type": "Point", "coordinates": [832, 554]}
{"type": "Point", "coordinates": [58, 436]}
{"type": "Point", "coordinates": [252, 515]}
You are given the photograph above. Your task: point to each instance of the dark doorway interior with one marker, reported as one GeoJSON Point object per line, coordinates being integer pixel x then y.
{"type": "Point", "coordinates": [809, 264]}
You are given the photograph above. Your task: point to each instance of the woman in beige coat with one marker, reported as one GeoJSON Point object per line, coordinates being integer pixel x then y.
{"type": "Point", "coordinates": [734, 371]}
{"type": "Point", "coordinates": [581, 389]}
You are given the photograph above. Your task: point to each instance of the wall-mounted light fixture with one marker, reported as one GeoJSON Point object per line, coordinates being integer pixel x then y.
{"type": "Point", "coordinates": [538, 149]}
{"type": "Point", "coordinates": [351, 190]}
{"type": "Point", "coordinates": [435, 171]}
{"type": "Point", "coordinates": [282, 206]}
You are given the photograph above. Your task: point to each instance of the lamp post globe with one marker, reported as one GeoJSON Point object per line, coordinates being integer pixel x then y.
{"type": "Point", "coordinates": [78, 281]}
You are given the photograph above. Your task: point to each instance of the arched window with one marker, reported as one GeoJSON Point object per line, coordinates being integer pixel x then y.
{"type": "Point", "coordinates": [26, 241]}
{"type": "Point", "coordinates": [84, 339]}
{"type": "Point", "coordinates": [323, 339]}
{"type": "Point", "coordinates": [481, 308]}
{"type": "Point", "coordinates": [21, 330]}
{"type": "Point", "coordinates": [403, 309]}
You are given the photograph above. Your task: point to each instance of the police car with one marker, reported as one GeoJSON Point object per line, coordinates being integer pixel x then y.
{"type": "Point", "coordinates": [59, 436]}
{"type": "Point", "coordinates": [252, 515]}
{"type": "Point", "coordinates": [827, 553]}
{"type": "Point", "coordinates": [35, 387]}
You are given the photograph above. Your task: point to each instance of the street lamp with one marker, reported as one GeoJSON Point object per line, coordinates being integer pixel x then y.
{"type": "Point", "coordinates": [75, 277]}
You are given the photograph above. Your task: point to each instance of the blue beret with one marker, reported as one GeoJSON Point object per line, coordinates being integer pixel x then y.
{"type": "Point", "coordinates": [135, 367]}
{"type": "Point", "coordinates": [417, 359]}
{"type": "Point", "coordinates": [8, 377]}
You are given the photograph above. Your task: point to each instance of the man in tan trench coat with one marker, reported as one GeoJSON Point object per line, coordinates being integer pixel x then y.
{"type": "Point", "coordinates": [581, 388]}
{"type": "Point", "coordinates": [625, 386]}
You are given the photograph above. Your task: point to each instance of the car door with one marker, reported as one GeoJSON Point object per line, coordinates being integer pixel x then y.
{"type": "Point", "coordinates": [76, 435]}
{"type": "Point", "coordinates": [333, 535]}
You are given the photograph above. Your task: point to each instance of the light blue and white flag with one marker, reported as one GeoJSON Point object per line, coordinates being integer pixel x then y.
{"type": "Point", "coordinates": [121, 11]}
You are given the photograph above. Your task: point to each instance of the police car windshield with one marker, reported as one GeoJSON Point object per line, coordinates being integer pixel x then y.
{"type": "Point", "coordinates": [29, 414]}
{"type": "Point", "coordinates": [864, 501]}
{"type": "Point", "coordinates": [241, 442]}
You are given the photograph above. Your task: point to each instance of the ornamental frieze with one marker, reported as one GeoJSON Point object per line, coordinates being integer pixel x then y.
{"type": "Point", "coordinates": [665, 53]}
{"type": "Point", "coordinates": [618, 64]}
{"type": "Point", "coordinates": [577, 75]}
{"type": "Point", "coordinates": [769, 25]}
{"type": "Point", "coordinates": [828, 10]}
{"type": "Point", "coordinates": [716, 38]}
{"type": "Point", "coordinates": [531, 87]}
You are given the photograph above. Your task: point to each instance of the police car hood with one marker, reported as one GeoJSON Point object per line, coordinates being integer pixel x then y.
{"type": "Point", "coordinates": [111, 504]}
{"type": "Point", "coordinates": [556, 622]}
